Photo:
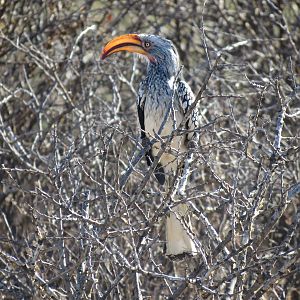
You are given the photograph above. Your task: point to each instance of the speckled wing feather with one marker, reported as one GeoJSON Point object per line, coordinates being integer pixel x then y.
{"type": "Point", "coordinates": [186, 97]}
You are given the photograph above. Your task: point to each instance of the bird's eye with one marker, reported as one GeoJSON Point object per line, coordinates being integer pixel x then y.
{"type": "Point", "coordinates": [147, 44]}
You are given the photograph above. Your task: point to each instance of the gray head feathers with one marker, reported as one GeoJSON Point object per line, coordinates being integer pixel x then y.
{"type": "Point", "coordinates": [166, 58]}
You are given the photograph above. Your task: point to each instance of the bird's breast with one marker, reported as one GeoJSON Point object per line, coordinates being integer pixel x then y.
{"type": "Point", "coordinates": [155, 112]}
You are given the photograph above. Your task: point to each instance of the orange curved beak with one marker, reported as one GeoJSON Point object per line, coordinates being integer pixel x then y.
{"type": "Point", "coordinates": [126, 42]}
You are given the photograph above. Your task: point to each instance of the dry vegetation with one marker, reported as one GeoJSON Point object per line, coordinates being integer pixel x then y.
{"type": "Point", "coordinates": [81, 217]}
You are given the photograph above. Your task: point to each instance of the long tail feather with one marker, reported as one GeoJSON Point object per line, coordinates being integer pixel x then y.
{"type": "Point", "coordinates": [178, 232]}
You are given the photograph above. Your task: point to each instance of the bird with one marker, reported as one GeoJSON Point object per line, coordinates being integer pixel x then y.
{"type": "Point", "coordinates": [158, 91]}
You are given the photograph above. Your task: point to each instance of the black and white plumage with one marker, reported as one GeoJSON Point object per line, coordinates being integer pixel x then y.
{"type": "Point", "coordinates": [157, 92]}
{"type": "Point", "coordinates": [152, 108]}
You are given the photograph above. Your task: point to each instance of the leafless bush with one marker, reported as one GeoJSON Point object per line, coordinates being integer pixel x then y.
{"type": "Point", "coordinates": [80, 214]}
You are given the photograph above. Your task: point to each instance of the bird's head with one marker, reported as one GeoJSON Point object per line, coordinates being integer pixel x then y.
{"type": "Point", "coordinates": [157, 49]}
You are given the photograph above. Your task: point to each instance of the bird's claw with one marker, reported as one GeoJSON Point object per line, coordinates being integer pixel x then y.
{"type": "Point", "coordinates": [192, 144]}
{"type": "Point", "coordinates": [145, 142]}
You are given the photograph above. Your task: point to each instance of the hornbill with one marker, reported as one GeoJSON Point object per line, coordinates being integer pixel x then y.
{"type": "Point", "coordinates": [156, 92]}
